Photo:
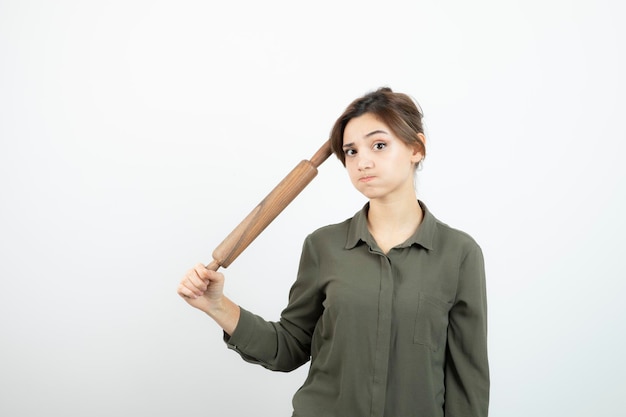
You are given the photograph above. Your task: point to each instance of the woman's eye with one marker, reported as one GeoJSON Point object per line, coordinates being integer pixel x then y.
{"type": "Point", "coordinates": [379, 145]}
{"type": "Point", "coordinates": [350, 152]}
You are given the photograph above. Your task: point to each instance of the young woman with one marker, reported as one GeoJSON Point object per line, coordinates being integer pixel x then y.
{"type": "Point", "coordinates": [389, 306]}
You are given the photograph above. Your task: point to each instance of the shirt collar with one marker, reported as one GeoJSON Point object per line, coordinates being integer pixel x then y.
{"type": "Point", "coordinates": [423, 236]}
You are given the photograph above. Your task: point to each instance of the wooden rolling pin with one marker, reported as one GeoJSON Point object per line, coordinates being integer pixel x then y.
{"type": "Point", "coordinates": [267, 210]}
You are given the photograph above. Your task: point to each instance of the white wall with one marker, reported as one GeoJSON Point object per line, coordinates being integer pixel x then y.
{"type": "Point", "coordinates": [134, 135]}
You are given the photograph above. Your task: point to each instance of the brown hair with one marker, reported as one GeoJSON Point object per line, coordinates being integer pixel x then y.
{"type": "Point", "coordinates": [396, 110]}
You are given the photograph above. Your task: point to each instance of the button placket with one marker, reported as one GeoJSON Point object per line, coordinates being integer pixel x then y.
{"type": "Point", "coordinates": [383, 338]}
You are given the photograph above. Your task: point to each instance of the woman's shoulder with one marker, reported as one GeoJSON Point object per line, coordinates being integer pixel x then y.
{"type": "Point", "coordinates": [438, 234]}
{"type": "Point", "coordinates": [330, 231]}
{"type": "Point", "coordinates": [448, 237]}
{"type": "Point", "coordinates": [454, 243]}
{"type": "Point", "coordinates": [455, 234]}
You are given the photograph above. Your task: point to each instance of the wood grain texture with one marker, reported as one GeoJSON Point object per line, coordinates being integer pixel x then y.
{"type": "Point", "coordinates": [268, 209]}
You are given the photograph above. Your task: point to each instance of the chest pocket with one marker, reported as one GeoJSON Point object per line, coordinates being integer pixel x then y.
{"type": "Point", "coordinates": [431, 322]}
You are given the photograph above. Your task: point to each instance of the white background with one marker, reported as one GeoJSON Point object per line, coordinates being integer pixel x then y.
{"type": "Point", "coordinates": [134, 135]}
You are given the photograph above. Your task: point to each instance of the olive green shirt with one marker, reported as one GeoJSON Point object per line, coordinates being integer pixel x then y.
{"type": "Point", "coordinates": [402, 334]}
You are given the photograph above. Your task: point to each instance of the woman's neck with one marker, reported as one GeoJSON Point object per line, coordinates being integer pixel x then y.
{"type": "Point", "coordinates": [393, 222]}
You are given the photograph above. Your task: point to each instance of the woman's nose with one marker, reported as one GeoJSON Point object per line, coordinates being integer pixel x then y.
{"type": "Point", "coordinates": [364, 163]}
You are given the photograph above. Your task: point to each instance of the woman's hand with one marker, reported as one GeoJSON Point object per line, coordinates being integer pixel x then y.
{"type": "Point", "coordinates": [202, 288]}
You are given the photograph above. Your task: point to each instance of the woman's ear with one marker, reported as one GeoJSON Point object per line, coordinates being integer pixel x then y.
{"type": "Point", "coordinates": [419, 152]}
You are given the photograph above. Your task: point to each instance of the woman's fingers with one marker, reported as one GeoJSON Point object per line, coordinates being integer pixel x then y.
{"type": "Point", "coordinates": [197, 281]}
{"type": "Point", "coordinates": [185, 292]}
{"type": "Point", "coordinates": [193, 285]}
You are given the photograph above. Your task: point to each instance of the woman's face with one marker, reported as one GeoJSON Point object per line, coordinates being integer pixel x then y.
{"type": "Point", "coordinates": [379, 164]}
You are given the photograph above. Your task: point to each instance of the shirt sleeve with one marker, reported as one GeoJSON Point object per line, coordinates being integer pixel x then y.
{"type": "Point", "coordinates": [286, 344]}
{"type": "Point", "coordinates": [467, 368]}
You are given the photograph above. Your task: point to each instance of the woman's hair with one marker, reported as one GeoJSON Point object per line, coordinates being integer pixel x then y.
{"type": "Point", "coordinates": [396, 110]}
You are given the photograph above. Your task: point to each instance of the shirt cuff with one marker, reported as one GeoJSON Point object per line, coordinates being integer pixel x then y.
{"type": "Point", "coordinates": [242, 335]}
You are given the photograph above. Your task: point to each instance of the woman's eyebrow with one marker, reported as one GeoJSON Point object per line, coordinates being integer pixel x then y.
{"type": "Point", "coordinates": [372, 133]}
{"type": "Point", "coordinates": [375, 132]}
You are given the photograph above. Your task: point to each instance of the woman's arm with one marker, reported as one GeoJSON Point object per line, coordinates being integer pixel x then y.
{"type": "Point", "coordinates": [286, 344]}
{"type": "Point", "coordinates": [280, 346]}
{"type": "Point", "coordinates": [467, 367]}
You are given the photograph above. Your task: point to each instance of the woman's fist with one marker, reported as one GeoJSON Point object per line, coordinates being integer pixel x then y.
{"type": "Point", "coordinates": [202, 288]}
